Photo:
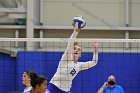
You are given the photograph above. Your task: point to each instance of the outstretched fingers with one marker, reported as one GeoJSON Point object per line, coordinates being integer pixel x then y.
{"type": "Point", "coordinates": [95, 44]}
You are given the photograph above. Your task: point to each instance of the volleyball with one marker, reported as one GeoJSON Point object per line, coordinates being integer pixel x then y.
{"type": "Point", "coordinates": [78, 22]}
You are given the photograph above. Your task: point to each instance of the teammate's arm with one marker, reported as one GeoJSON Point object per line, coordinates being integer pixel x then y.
{"type": "Point", "coordinates": [89, 64]}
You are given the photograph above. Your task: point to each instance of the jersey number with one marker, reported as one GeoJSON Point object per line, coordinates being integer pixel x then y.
{"type": "Point", "coordinates": [73, 71]}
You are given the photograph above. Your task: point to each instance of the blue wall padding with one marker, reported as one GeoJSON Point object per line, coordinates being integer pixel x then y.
{"type": "Point", "coordinates": [125, 66]}
{"type": "Point", "coordinates": [7, 73]}
{"type": "Point", "coordinates": [43, 63]}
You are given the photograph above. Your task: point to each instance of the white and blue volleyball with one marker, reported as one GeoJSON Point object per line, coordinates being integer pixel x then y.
{"type": "Point", "coordinates": [78, 22]}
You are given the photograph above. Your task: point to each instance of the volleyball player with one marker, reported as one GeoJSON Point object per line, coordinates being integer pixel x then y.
{"type": "Point", "coordinates": [38, 85]}
{"type": "Point", "coordinates": [69, 66]}
{"type": "Point", "coordinates": [26, 79]}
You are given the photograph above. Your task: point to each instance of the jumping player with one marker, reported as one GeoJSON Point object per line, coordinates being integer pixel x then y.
{"type": "Point", "coordinates": [69, 66]}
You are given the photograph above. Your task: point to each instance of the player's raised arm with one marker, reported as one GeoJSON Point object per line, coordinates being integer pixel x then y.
{"type": "Point", "coordinates": [78, 23]}
{"type": "Point", "coordinates": [89, 64]}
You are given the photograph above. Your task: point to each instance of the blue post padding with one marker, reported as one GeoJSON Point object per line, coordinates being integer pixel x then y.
{"type": "Point", "coordinates": [7, 73]}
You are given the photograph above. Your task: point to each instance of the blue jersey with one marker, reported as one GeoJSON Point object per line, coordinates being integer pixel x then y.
{"type": "Point", "coordinates": [115, 89]}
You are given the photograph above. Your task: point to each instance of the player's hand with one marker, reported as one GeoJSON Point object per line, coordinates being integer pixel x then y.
{"type": "Point", "coordinates": [76, 27]}
{"type": "Point", "coordinates": [77, 30]}
{"type": "Point", "coordinates": [95, 45]}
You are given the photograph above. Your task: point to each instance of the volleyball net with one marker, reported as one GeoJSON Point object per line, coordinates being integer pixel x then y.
{"type": "Point", "coordinates": [120, 57]}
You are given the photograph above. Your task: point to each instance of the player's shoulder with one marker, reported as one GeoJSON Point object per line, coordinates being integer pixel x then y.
{"type": "Point", "coordinates": [27, 90]}
{"type": "Point", "coordinates": [79, 64]}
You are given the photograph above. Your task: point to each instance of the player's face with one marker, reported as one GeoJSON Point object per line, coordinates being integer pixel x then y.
{"type": "Point", "coordinates": [25, 78]}
{"type": "Point", "coordinates": [42, 87]}
{"type": "Point", "coordinates": [77, 52]}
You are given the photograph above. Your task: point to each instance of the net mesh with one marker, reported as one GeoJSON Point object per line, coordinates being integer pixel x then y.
{"type": "Point", "coordinates": [119, 57]}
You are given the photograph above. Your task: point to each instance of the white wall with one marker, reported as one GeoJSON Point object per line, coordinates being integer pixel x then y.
{"type": "Point", "coordinates": [135, 14]}
{"type": "Point", "coordinates": [96, 12]}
